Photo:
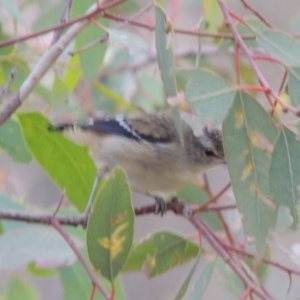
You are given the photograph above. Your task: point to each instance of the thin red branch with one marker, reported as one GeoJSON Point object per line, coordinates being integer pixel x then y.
{"type": "Point", "coordinates": [212, 200]}
{"type": "Point", "coordinates": [282, 82]}
{"type": "Point", "coordinates": [265, 260]}
{"type": "Point", "coordinates": [85, 264]}
{"type": "Point", "coordinates": [218, 207]}
{"type": "Point", "coordinates": [215, 243]}
{"type": "Point", "coordinates": [267, 58]}
{"type": "Point", "coordinates": [261, 78]}
{"type": "Point", "coordinates": [151, 27]}
{"type": "Point", "coordinates": [237, 59]}
{"type": "Point", "coordinates": [219, 213]}
{"type": "Point", "coordinates": [280, 90]}
{"type": "Point", "coordinates": [47, 60]}
{"type": "Point", "coordinates": [237, 18]}
{"type": "Point", "coordinates": [256, 13]}
{"type": "Point", "coordinates": [94, 13]}
{"type": "Point", "coordinates": [245, 87]}
{"type": "Point", "coordinates": [63, 19]}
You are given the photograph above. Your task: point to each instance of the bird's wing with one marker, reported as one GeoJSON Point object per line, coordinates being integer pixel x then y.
{"type": "Point", "coordinates": [148, 127]}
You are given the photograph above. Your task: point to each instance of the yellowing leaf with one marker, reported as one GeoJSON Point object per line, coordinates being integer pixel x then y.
{"type": "Point", "coordinates": [110, 226]}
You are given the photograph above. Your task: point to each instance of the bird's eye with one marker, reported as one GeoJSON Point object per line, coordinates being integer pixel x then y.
{"type": "Point", "coordinates": [209, 152]}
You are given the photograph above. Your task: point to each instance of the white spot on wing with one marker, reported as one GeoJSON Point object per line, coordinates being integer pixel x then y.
{"type": "Point", "coordinates": [123, 124]}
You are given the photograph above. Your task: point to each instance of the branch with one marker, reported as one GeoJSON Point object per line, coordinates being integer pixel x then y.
{"type": "Point", "coordinates": [48, 59]}
{"type": "Point", "coordinates": [63, 19]}
{"type": "Point", "coordinates": [215, 243]}
{"type": "Point", "coordinates": [265, 260]}
{"type": "Point", "coordinates": [150, 27]}
{"type": "Point", "coordinates": [256, 13]}
{"type": "Point", "coordinates": [239, 41]}
{"type": "Point", "coordinates": [8, 84]}
{"type": "Point", "coordinates": [81, 258]}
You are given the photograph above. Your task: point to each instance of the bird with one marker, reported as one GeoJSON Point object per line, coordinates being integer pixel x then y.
{"type": "Point", "coordinates": [148, 147]}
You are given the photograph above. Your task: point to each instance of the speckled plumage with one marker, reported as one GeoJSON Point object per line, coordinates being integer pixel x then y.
{"type": "Point", "coordinates": [148, 147]}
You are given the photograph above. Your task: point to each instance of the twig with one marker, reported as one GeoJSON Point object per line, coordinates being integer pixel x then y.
{"type": "Point", "coordinates": [47, 60]}
{"type": "Point", "coordinates": [256, 13]}
{"type": "Point", "coordinates": [118, 18]}
{"type": "Point", "coordinates": [61, 199]}
{"type": "Point", "coordinates": [63, 19]}
{"type": "Point", "coordinates": [90, 14]}
{"type": "Point", "coordinates": [219, 213]}
{"type": "Point", "coordinates": [215, 243]}
{"type": "Point", "coordinates": [265, 260]}
{"type": "Point", "coordinates": [214, 207]}
{"type": "Point", "coordinates": [8, 84]}
{"type": "Point", "coordinates": [91, 197]}
{"type": "Point", "coordinates": [41, 218]}
{"type": "Point", "coordinates": [104, 37]}
{"type": "Point", "coordinates": [212, 200]}
{"type": "Point", "coordinates": [239, 40]}
{"type": "Point", "coordinates": [81, 258]}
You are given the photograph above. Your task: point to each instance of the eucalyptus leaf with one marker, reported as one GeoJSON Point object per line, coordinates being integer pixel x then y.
{"type": "Point", "coordinates": [285, 172]}
{"type": "Point", "coordinates": [294, 85]}
{"type": "Point", "coordinates": [159, 253]}
{"type": "Point", "coordinates": [68, 164]}
{"type": "Point", "coordinates": [164, 49]}
{"type": "Point", "coordinates": [110, 226]}
{"type": "Point", "coordinates": [12, 142]}
{"type": "Point", "coordinates": [279, 45]}
{"type": "Point", "coordinates": [32, 243]}
{"type": "Point", "coordinates": [249, 136]}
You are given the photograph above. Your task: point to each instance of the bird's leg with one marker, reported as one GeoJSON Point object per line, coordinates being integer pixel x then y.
{"type": "Point", "coordinates": [160, 206]}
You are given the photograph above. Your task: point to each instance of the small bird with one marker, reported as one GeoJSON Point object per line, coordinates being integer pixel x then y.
{"type": "Point", "coordinates": [148, 148]}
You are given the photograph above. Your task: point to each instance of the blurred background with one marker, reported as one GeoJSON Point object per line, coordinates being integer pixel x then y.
{"type": "Point", "coordinates": [136, 78]}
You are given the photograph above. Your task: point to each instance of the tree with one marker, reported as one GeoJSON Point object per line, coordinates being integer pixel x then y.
{"type": "Point", "coordinates": [100, 59]}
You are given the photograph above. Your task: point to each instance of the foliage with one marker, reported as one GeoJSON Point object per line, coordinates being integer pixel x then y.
{"type": "Point", "coordinates": [95, 67]}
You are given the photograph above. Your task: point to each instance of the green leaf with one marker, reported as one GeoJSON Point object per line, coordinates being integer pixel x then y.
{"type": "Point", "coordinates": [249, 135]}
{"type": "Point", "coordinates": [279, 45]}
{"type": "Point", "coordinates": [13, 10]}
{"type": "Point", "coordinates": [178, 123]}
{"type": "Point", "coordinates": [68, 164]}
{"type": "Point", "coordinates": [209, 94]}
{"type": "Point", "coordinates": [118, 100]}
{"type": "Point", "coordinates": [187, 280]}
{"type": "Point", "coordinates": [49, 14]}
{"type": "Point", "coordinates": [150, 95]}
{"type": "Point", "coordinates": [164, 49]}
{"type": "Point", "coordinates": [213, 15]}
{"type": "Point", "coordinates": [8, 203]}
{"type": "Point", "coordinates": [73, 73]}
{"type": "Point", "coordinates": [231, 279]}
{"type": "Point", "coordinates": [12, 142]}
{"type": "Point", "coordinates": [60, 92]}
{"type": "Point", "coordinates": [33, 243]}
{"type": "Point", "coordinates": [80, 7]}
{"type": "Point", "coordinates": [294, 85]}
{"type": "Point", "coordinates": [131, 42]}
{"type": "Point", "coordinates": [5, 51]}
{"type": "Point", "coordinates": [192, 194]}
{"type": "Point", "coordinates": [19, 288]}
{"type": "Point", "coordinates": [254, 22]}
{"type": "Point", "coordinates": [285, 172]}
{"type": "Point", "coordinates": [41, 272]}
{"type": "Point", "coordinates": [110, 226]}
{"type": "Point", "coordinates": [77, 284]}
{"type": "Point", "coordinates": [92, 58]}
{"type": "Point", "coordinates": [202, 282]}
{"type": "Point", "coordinates": [159, 253]}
